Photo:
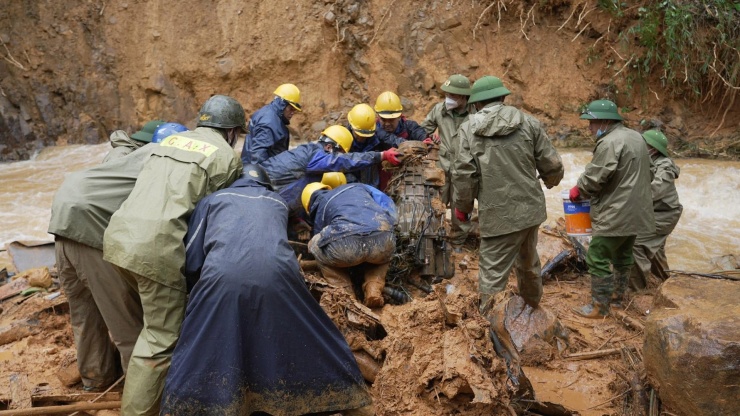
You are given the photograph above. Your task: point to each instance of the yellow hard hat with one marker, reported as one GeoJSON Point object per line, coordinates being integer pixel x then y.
{"type": "Point", "coordinates": [340, 135]}
{"type": "Point", "coordinates": [362, 119]}
{"type": "Point", "coordinates": [334, 179]}
{"type": "Point", "coordinates": [309, 190]}
{"type": "Point", "coordinates": [388, 105]}
{"type": "Point", "coordinates": [291, 94]}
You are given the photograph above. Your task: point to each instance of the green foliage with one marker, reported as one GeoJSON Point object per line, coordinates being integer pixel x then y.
{"type": "Point", "coordinates": [692, 45]}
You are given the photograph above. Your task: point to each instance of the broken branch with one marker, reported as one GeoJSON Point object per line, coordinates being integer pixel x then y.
{"type": "Point", "coordinates": [588, 355]}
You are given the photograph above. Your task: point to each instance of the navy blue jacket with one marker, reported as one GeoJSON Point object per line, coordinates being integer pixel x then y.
{"type": "Point", "coordinates": [379, 142]}
{"type": "Point", "coordinates": [292, 170]}
{"type": "Point", "coordinates": [352, 209]}
{"type": "Point", "coordinates": [406, 129]}
{"type": "Point", "coordinates": [268, 133]}
{"type": "Point", "coordinates": [253, 334]}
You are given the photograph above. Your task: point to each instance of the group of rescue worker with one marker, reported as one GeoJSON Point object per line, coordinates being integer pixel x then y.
{"type": "Point", "coordinates": [175, 252]}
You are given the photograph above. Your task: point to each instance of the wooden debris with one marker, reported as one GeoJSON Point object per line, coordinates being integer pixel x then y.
{"type": "Point", "coordinates": [40, 400]}
{"type": "Point", "coordinates": [63, 409]}
{"type": "Point", "coordinates": [627, 320]}
{"type": "Point", "coordinates": [18, 330]}
{"type": "Point", "coordinates": [588, 355]}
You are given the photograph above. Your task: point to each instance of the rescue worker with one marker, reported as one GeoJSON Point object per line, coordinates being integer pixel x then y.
{"type": "Point", "coordinates": [123, 144]}
{"type": "Point", "coordinates": [392, 121]}
{"type": "Point", "coordinates": [617, 180]}
{"type": "Point", "coordinates": [502, 150]}
{"type": "Point", "coordinates": [167, 130]}
{"type": "Point", "coordinates": [446, 118]}
{"type": "Point", "coordinates": [100, 301]}
{"type": "Point", "coordinates": [292, 170]}
{"type": "Point", "coordinates": [368, 138]}
{"type": "Point", "coordinates": [145, 237]}
{"type": "Point", "coordinates": [353, 227]}
{"type": "Point", "coordinates": [391, 118]}
{"type": "Point", "coordinates": [649, 249]}
{"type": "Point", "coordinates": [252, 325]}
{"type": "Point", "coordinates": [268, 133]}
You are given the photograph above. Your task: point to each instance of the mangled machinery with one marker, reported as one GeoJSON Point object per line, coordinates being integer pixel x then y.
{"type": "Point", "coordinates": [422, 250]}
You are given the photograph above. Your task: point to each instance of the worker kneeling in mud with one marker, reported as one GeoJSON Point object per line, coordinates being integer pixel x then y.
{"type": "Point", "coordinates": [353, 226]}
{"type": "Point", "coordinates": [254, 340]}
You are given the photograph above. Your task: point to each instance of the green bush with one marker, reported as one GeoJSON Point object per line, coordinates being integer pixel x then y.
{"type": "Point", "coordinates": [693, 46]}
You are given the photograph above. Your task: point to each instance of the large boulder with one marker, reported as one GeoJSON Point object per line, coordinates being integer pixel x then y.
{"type": "Point", "coordinates": [692, 346]}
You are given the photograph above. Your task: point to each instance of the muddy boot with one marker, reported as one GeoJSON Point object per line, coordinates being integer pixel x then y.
{"type": "Point", "coordinates": [374, 284]}
{"type": "Point", "coordinates": [602, 288]}
{"type": "Point", "coordinates": [486, 302]}
{"type": "Point", "coordinates": [620, 287]}
{"type": "Point", "coordinates": [337, 277]}
{"type": "Point", "coordinates": [594, 310]}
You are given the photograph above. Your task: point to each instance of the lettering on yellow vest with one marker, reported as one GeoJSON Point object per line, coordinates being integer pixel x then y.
{"type": "Point", "coordinates": [191, 145]}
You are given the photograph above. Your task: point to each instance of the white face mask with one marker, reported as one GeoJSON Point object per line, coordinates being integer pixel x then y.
{"type": "Point", "coordinates": [450, 103]}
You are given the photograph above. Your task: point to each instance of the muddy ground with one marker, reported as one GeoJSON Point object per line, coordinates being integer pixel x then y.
{"type": "Point", "coordinates": [433, 355]}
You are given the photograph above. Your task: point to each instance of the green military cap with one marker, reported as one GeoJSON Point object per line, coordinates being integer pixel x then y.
{"type": "Point", "coordinates": [146, 132]}
{"type": "Point", "coordinates": [486, 88]}
{"type": "Point", "coordinates": [457, 84]}
{"type": "Point", "coordinates": [657, 140]}
{"type": "Point", "coordinates": [601, 110]}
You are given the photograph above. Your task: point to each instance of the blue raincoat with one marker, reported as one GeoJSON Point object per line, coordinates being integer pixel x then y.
{"type": "Point", "coordinates": [268, 133]}
{"type": "Point", "coordinates": [253, 338]}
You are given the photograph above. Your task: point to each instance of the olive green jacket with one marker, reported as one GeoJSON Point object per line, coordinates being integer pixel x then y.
{"type": "Point", "coordinates": [122, 145]}
{"type": "Point", "coordinates": [618, 182]}
{"type": "Point", "coordinates": [146, 235]}
{"type": "Point", "coordinates": [86, 200]}
{"type": "Point", "coordinates": [666, 207]}
{"type": "Point", "coordinates": [502, 150]}
{"type": "Point", "coordinates": [446, 123]}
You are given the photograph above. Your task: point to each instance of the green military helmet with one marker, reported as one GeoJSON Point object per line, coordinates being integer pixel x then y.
{"type": "Point", "coordinates": [221, 111]}
{"type": "Point", "coordinates": [147, 132]}
{"type": "Point", "coordinates": [486, 88]}
{"type": "Point", "coordinates": [457, 84]}
{"type": "Point", "coordinates": [601, 110]}
{"type": "Point", "coordinates": [657, 140]}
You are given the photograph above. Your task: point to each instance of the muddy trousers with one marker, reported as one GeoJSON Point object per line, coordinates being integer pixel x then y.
{"type": "Point", "coordinates": [649, 255]}
{"type": "Point", "coordinates": [605, 253]}
{"type": "Point", "coordinates": [458, 230]}
{"type": "Point", "coordinates": [100, 303]}
{"type": "Point", "coordinates": [518, 250]}
{"type": "Point", "coordinates": [164, 310]}
{"type": "Point", "coordinates": [372, 251]}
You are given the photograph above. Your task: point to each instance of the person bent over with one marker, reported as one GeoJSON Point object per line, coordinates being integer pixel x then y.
{"type": "Point", "coordinates": [254, 340]}
{"type": "Point", "coordinates": [353, 226]}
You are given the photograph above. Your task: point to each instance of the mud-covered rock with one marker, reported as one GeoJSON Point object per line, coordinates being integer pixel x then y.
{"type": "Point", "coordinates": [692, 346]}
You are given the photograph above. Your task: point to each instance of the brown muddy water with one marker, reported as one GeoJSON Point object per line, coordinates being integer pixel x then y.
{"type": "Point", "coordinates": [709, 191]}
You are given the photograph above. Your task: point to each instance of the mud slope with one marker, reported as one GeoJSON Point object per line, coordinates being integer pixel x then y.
{"type": "Point", "coordinates": [74, 71]}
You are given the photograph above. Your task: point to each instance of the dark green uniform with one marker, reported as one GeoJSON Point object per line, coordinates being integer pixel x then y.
{"type": "Point", "coordinates": [502, 150]}
{"type": "Point", "coordinates": [649, 248]}
{"type": "Point", "coordinates": [617, 180]}
{"type": "Point", "coordinates": [447, 122]}
{"type": "Point", "coordinates": [145, 240]}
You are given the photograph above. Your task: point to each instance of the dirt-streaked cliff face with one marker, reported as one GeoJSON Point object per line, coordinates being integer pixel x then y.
{"type": "Point", "coordinates": [74, 71]}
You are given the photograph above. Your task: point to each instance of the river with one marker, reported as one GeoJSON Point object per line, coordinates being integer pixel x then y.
{"type": "Point", "coordinates": [709, 191]}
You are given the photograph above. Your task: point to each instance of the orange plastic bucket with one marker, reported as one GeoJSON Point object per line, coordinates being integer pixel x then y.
{"type": "Point", "coordinates": [577, 216]}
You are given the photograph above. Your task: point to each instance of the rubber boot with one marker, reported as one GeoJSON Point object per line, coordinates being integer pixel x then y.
{"type": "Point", "coordinates": [374, 284]}
{"type": "Point", "coordinates": [337, 277]}
{"type": "Point", "coordinates": [601, 293]}
{"type": "Point", "coordinates": [620, 287]}
{"type": "Point", "coordinates": [486, 302]}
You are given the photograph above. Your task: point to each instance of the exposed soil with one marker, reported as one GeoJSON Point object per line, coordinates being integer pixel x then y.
{"type": "Point", "coordinates": [73, 73]}
{"type": "Point", "coordinates": [430, 356]}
